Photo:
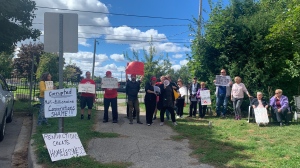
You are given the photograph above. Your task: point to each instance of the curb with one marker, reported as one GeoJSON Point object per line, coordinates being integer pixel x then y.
{"type": "Point", "coordinates": [32, 161]}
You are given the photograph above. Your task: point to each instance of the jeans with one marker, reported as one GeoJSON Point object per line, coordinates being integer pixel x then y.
{"type": "Point", "coordinates": [193, 108]}
{"type": "Point", "coordinates": [282, 115]}
{"type": "Point", "coordinates": [237, 106]}
{"type": "Point", "coordinates": [221, 102]}
{"type": "Point", "coordinates": [114, 108]}
{"type": "Point", "coordinates": [41, 116]}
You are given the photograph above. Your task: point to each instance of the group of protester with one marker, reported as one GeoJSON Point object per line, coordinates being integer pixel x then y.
{"type": "Point", "coordinates": [160, 96]}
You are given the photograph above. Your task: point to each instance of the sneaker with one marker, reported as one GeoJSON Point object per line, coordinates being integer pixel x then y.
{"type": "Point", "coordinates": [280, 124]}
{"type": "Point", "coordinates": [89, 117]}
{"type": "Point", "coordinates": [161, 123]}
{"type": "Point", "coordinates": [104, 121]}
{"type": "Point", "coordinates": [177, 117]}
{"type": "Point", "coordinates": [175, 123]}
{"type": "Point", "coordinates": [82, 116]}
{"type": "Point", "coordinates": [148, 124]}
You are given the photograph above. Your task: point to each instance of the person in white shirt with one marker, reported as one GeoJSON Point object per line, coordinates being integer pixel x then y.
{"type": "Point", "coordinates": [237, 96]}
{"type": "Point", "coordinates": [181, 98]}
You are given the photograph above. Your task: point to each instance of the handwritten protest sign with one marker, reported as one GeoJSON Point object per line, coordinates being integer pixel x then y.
{"type": "Point", "coordinates": [110, 83]}
{"type": "Point", "coordinates": [261, 115]}
{"type": "Point", "coordinates": [86, 88]}
{"type": "Point", "coordinates": [49, 85]}
{"type": "Point", "coordinates": [60, 103]}
{"type": "Point", "coordinates": [63, 145]}
{"type": "Point", "coordinates": [222, 80]}
{"type": "Point", "coordinates": [205, 97]}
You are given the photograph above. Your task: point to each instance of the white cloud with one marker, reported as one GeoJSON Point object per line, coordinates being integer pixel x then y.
{"type": "Point", "coordinates": [117, 57]}
{"type": "Point", "coordinates": [177, 56]}
{"type": "Point", "coordinates": [183, 62]}
{"type": "Point", "coordinates": [176, 67]}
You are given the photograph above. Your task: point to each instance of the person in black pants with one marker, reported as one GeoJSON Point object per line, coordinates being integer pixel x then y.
{"type": "Point", "coordinates": [193, 91]}
{"type": "Point", "coordinates": [180, 101]}
{"type": "Point", "coordinates": [202, 108]}
{"type": "Point", "coordinates": [150, 99]}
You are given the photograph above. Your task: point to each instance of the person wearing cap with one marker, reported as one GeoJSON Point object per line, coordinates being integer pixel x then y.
{"type": "Point", "coordinates": [194, 86]}
{"type": "Point", "coordinates": [87, 99]}
{"type": "Point", "coordinates": [110, 98]}
{"type": "Point", "coordinates": [132, 90]}
{"type": "Point", "coordinates": [150, 99]}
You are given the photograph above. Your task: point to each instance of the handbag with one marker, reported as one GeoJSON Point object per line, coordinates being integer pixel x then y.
{"type": "Point", "coordinates": [176, 94]}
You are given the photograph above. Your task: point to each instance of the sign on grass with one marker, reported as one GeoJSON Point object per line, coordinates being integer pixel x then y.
{"type": "Point", "coordinates": [86, 88]}
{"type": "Point", "coordinates": [63, 145]}
{"type": "Point", "coordinates": [205, 97]}
{"type": "Point", "coordinates": [222, 80]}
{"type": "Point", "coordinates": [110, 83]}
{"type": "Point", "coordinates": [60, 103]}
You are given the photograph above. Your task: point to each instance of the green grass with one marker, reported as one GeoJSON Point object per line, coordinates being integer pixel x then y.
{"type": "Point", "coordinates": [231, 143]}
{"type": "Point", "coordinates": [85, 131]}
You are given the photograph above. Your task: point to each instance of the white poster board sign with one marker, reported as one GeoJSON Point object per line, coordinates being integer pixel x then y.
{"type": "Point", "coordinates": [86, 88]}
{"type": "Point", "coordinates": [205, 97]}
{"type": "Point", "coordinates": [109, 83]}
{"type": "Point", "coordinates": [60, 103]}
{"type": "Point", "coordinates": [49, 85]}
{"type": "Point", "coordinates": [261, 116]}
{"type": "Point", "coordinates": [222, 80]}
{"type": "Point", "coordinates": [63, 145]}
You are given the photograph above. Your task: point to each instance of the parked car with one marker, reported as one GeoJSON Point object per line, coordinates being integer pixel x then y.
{"type": "Point", "coordinates": [6, 105]}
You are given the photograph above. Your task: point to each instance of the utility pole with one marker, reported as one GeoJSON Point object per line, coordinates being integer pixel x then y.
{"type": "Point", "coordinates": [95, 41]}
{"type": "Point", "coordinates": [199, 18]}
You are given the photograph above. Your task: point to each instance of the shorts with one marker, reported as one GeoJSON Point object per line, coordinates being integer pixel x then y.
{"type": "Point", "coordinates": [86, 101]}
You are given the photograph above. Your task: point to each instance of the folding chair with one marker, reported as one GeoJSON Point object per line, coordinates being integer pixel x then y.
{"type": "Point", "coordinates": [297, 109]}
{"type": "Point", "coordinates": [250, 110]}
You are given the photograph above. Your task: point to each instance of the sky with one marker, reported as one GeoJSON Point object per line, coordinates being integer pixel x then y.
{"type": "Point", "coordinates": [120, 26]}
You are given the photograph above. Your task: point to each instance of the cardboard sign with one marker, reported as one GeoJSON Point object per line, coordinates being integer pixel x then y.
{"type": "Point", "coordinates": [60, 103]}
{"type": "Point", "coordinates": [63, 145]}
{"type": "Point", "coordinates": [135, 68]}
{"type": "Point", "coordinates": [49, 85]}
{"type": "Point", "coordinates": [205, 97]}
{"type": "Point", "coordinates": [261, 116]}
{"type": "Point", "coordinates": [86, 88]}
{"type": "Point", "coordinates": [110, 83]}
{"type": "Point", "coordinates": [222, 80]}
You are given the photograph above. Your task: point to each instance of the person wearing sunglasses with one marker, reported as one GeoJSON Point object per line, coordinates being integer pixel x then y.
{"type": "Point", "coordinates": [280, 105]}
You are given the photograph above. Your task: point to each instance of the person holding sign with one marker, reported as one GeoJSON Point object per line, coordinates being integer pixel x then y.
{"type": "Point", "coordinates": [132, 90]}
{"type": "Point", "coordinates": [45, 78]}
{"type": "Point", "coordinates": [202, 108]}
{"type": "Point", "coordinates": [194, 86]}
{"type": "Point", "coordinates": [110, 98]}
{"type": "Point", "coordinates": [180, 101]}
{"type": "Point", "coordinates": [237, 96]}
{"type": "Point", "coordinates": [150, 99]}
{"type": "Point", "coordinates": [86, 98]}
{"type": "Point", "coordinates": [222, 93]}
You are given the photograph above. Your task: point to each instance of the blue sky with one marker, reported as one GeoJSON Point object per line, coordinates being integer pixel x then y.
{"type": "Point", "coordinates": [114, 32]}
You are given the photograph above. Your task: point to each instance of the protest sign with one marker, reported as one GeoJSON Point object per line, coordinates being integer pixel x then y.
{"type": "Point", "coordinates": [261, 116]}
{"type": "Point", "coordinates": [222, 80]}
{"type": "Point", "coordinates": [86, 88]}
{"type": "Point", "coordinates": [205, 97]}
{"type": "Point", "coordinates": [63, 145]}
{"type": "Point", "coordinates": [49, 85]}
{"type": "Point", "coordinates": [110, 83]}
{"type": "Point", "coordinates": [135, 68]}
{"type": "Point", "coordinates": [60, 103]}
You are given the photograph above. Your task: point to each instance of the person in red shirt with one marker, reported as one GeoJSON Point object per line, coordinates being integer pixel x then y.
{"type": "Point", "coordinates": [110, 98]}
{"type": "Point", "coordinates": [87, 99]}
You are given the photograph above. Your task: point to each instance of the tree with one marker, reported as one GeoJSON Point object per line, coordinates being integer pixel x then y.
{"type": "Point", "coordinates": [48, 63]}
{"type": "Point", "coordinates": [72, 73]}
{"type": "Point", "coordinates": [6, 64]}
{"type": "Point", "coordinates": [29, 53]}
{"type": "Point", "coordinates": [16, 18]}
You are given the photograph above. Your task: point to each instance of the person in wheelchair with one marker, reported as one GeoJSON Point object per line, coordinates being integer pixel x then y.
{"type": "Point", "coordinates": [259, 101]}
{"type": "Point", "coordinates": [280, 106]}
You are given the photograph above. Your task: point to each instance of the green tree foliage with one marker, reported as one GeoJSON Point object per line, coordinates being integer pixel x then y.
{"type": "Point", "coordinates": [6, 64]}
{"type": "Point", "coordinates": [28, 54]}
{"type": "Point", "coordinates": [72, 73]}
{"type": "Point", "coordinates": [16, 19]}
{"type": "Point", "coordinates": [256, 40]}
{"type": "Point", "coordinates": [48, 63]}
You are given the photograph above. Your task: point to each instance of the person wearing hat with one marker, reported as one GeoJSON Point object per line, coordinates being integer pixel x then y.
{"type": "Point", "coordinates": [110, 98]}
{"type": "Point", "coordinates": [150, 99]}
{"type": "Point", "coordinates": [132, 89]}
{"type": "Point", "coordinates": [87, 99]}
{"type": "Point", "coordinates": [194, 86]}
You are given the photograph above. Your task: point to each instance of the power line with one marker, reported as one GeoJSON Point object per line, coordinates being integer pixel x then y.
{"type": "Point", "coordinates": [119, 14]}
{"type": "Point", "coordinates": [127, 25]}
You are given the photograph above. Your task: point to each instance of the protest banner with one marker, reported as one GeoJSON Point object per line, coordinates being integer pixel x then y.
{"type": "Point", "coordinates": [49, 85]}
{"type": "Point", "coordinates": [222, 80]}
{"type": "Point", "coordinates": [205, 97]}
{"type": "Point", "coordinates": [110, 83]}
{"type": "Point", "coordinates": [135, 68]}
{"type": "Point", "coordinates": [63, 145]}
{"type": "Point", "coordinates": [60, 103]}
{"type": "Point", "coordinates": [86, 88]}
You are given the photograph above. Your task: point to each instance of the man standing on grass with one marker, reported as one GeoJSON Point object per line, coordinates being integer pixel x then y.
{"type": "Point", "coordinates": [132, 90]}
{"type": "Point", "coordinates": [87, 99]}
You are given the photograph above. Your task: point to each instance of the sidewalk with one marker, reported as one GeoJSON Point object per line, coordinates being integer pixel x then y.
{"type": "Point", "coordinates": [144, 146]}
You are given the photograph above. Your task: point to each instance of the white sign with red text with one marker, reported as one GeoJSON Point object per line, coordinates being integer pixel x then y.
{"type": "Point", "coordinates": [205, 97]}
